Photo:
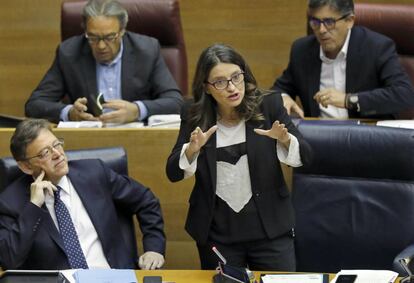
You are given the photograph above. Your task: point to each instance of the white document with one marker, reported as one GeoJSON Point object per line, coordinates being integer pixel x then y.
{"type": "Point", "coordinates": [98, 124]}
{"type": "Point", "coordinates": [80, 124]}
{"type": "Point", "coordinates": [407, 124]}
{"type": "Point", "coordinates": [370, 276]}
{"type": "Point", "coordinates": [164, 121]}
{"type": "Point", "coordinates": [125, 125]}
{"type": "Point", "coordinates": [292, 278]}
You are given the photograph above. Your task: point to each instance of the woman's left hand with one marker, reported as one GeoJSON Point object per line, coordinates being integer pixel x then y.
{"type": "Point", "coordinates": [277, 132]}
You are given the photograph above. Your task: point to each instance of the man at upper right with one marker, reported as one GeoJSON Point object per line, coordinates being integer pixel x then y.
{"type": "Point", "coordinates": [343, 71]}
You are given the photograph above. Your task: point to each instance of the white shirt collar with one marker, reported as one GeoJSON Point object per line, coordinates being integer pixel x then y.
{"type": "Point", "coordinates": [64, 184]}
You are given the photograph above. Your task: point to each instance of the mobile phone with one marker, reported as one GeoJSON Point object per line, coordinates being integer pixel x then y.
{"type": "Point", "coordinates": [348, 278]}
{"type": "Point", "coordinates": [97, 102]}
{"type": "Point", "coordinates": [152, 279]}
{"type": "Point", "coordinates": [236, 274]}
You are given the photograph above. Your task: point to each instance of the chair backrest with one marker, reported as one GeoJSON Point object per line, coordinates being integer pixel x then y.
{"type": "Point", "coordinates": [397, 22]}
{"type": "Point", "coordinates": [156, 18]}
{"type": "Point", "coordinates": [114, 157]}
{"type": "Point", "coordinates": [354, 203]}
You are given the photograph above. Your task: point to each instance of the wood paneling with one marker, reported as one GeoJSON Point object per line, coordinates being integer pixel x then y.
{"type": "Point", "coordinates": [262, 31]}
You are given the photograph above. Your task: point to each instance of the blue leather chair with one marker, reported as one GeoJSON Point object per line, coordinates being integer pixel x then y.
{"type": "Point", "coordinates": [355, 203]}
{"type": "Point", "coordinates": [114, 157]}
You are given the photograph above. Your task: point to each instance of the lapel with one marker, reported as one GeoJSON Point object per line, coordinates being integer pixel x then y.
{"type": "Point", "coordinates": [51, 228]}
{"type": "Point", "coordinates": [85, 189]}
{"type": "Point", "coordinates": [48, 223]}
{"type": "Point", "coordinates": [251, 145]}
{"type": "Point", "coordinates": [353, 61]}
{"type": "Point", "coordinates": [129, 67]}
{"type": "Point", "coordinates": [314, 77]}
{"type": "Point", "coordinates": [210, 150]}
{"type": "Point", "coordinates": [88, 68]}
{"type": "Point", "coordinates": [95, 205]}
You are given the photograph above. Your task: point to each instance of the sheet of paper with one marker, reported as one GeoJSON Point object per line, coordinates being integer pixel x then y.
{"type": "Point", "coordinates": [105, 276]}
{"type": "Point", "coordinates": [80, 124]}
{"type": "Point", "coordinates": [164, 121]}
{"type": "Point", "coordinates": [125, 125]}
{"type": "Point", "coordinates": [369, 276]}
{"type": "Point", "coordinates": [292, 278]}
{"type": "Point", "coordinates": [98, 124]}
{"type": "Point", "coordinates": [407, 124]}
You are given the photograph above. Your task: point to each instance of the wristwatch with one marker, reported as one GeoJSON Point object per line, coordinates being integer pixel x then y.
{"type": "Point", "coordinates": [352, 102]}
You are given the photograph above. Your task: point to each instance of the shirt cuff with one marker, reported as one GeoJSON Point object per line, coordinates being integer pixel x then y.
{"type": "Point", "coordinates": [64, 114]}
{"type": "Point", "coordinates": [143, 111]}
{"type": "Point", "coordinates": [189, 168]}
{"type": "Point", "coordinates": [289, 156]}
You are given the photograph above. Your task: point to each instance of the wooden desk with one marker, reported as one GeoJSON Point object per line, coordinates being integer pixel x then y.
{"type": "Point", "coordinates": [148, 150]}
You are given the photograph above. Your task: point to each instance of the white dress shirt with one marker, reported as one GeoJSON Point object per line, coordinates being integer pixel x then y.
{"type": "Point", "coordinates": [333, 75]}
{"type": "Point", "coordinates": [88, 238]}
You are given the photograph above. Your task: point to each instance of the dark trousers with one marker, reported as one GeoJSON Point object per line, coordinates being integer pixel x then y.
{"type": "Point", "coordinates": [272, 255]}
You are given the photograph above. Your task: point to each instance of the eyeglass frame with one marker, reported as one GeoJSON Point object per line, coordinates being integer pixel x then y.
{"type": "Point", "coordinates": [324, 21]}
{"type": "Point", "coordinates": [227, 81]}
{"type": "Point", "coordinates": [59, 143]}
{"type": "Point", "coordinates": [95, 39]}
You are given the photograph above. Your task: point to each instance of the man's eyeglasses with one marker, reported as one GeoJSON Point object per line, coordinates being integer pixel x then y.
{"type": "Point", "coordinates": [223, 84]}
{"type": "Point", "coordinates": [329, 23]}
{"type": "Point", "coordinates": [46, 153]}
{"type": "Point", "coordinates": [109, 38]}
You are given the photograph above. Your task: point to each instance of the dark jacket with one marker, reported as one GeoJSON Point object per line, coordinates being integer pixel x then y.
{"type": "Point", "coordinates": [144, 76]}
{"type": "Point", "coordinates": [29, 238]}
{"type": "Point", "coordinates": [270, 193]}
{"type": "Point", "coordinates": [373, 71]}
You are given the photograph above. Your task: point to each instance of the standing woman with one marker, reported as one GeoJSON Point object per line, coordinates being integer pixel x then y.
{"type": "Point", "coordinates": [232, 137]}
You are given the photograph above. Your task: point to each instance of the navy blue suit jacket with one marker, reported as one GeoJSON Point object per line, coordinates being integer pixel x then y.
{"type": "Point", "coordinates": [29, 238]}
{"type": "Point", "coordinates": [270, 193]}
{"type": "Point", "coordinates": [373, 71]}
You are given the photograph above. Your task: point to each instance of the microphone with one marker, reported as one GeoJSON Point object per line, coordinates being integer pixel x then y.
{"type": "Point", "coordinates": [221, 257]}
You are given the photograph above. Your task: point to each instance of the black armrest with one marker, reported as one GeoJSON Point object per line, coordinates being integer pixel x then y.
{"type": "Point", "coordinates": [407, 253]}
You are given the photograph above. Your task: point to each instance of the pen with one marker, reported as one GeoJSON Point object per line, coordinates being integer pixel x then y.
{"type": "Point", "coordinates": [215, 250]}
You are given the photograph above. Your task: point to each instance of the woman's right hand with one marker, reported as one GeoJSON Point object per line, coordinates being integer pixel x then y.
{"type": "Point", "coordinates": [198, 139]}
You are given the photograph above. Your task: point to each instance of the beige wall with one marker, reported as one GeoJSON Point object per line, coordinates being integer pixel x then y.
{"type": "Point", "coordinates": [261, 30]}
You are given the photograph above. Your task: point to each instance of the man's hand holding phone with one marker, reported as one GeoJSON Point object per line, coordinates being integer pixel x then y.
{"type": "Point", "coordinates": [78, 111]}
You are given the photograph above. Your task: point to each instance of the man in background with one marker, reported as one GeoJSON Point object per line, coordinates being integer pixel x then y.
{"type": "Point", "coordinates": [127, 68]}
{"type": "Point", "coordinates": [62, 215]}
{"type": "Point", "coordinates": [342, 70]}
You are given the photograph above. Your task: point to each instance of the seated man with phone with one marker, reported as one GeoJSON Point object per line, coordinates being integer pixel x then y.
{"type": "Point", "coordinates": [127, 68]}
